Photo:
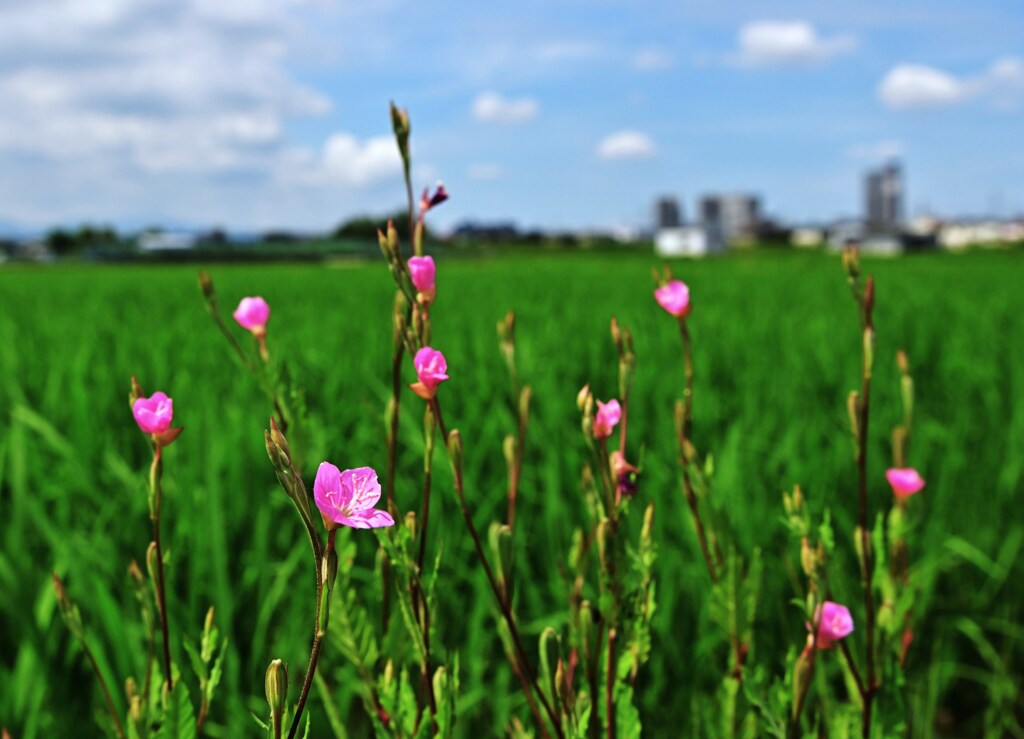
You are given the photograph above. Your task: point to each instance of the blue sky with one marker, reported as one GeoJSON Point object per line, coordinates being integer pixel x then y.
{"type": "Point", "coordinates": [253, 114]}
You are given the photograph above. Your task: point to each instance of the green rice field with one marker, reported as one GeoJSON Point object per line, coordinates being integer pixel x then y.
{"type": "Point", "coordinates": [776, 351]}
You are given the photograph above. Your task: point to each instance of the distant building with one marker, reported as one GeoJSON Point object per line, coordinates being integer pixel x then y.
{"type": "Point", "coordinates": [735, 217]}
{"type": "Point", "coordinates": [166, 240]}
{"type": "Point", "coordinates": [883, 199]}
{"type": "Point", "coordinates": [807, 237]}
{"type": "Point", "coordinates": [667, 213]}
{"type": "Point", "coordinates": [688, 241]}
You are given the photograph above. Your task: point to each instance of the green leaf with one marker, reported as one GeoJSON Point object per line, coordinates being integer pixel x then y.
{"type": "Point", "coordinates": [198, 666]}
{"type": "Point", "coordinates": [179, 718]}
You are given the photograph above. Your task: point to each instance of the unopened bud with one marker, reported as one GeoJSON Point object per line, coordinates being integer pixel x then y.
{"type": "Point", "coordinates": [853, 410]}
{"type": "Point", "coordinates": [389, 674]}
{"type": "Point", "coordinates": [798, 499]}
{"type": "Point", "coordinates": [582, 397]}
{"type": "Point", "coordinates": [401, 126]}
{"type": "Point", "coordinates": [277, 692]}
{"type": "Point", "coordinates": [807, 557]}
{"type": "Point", "coordinates": [510, 448]}
{"type": "Point", "coordinates": [455, 451]}
{"type": "Point", "coordinates": [135, 573]}
{"type": "Point", "coordinates": [869, 351]}
{"type": "Point", "coordinates": [131, 691]}
{"type": "Point", "coordinates": [410, 524]}
{"type": "Point", "coordinates": [902, 363]}
{"type": "Point", "coordinates": [499, 537]}
{"type": "Point", "coordinates": [429, 426]}
{"type": "Point", "coordinates": [851, 262]}
{"type": "Point", "coordinates": [282, 450]}
{"type": "Point", "coordinates": [602, 534]}
{"type": "Point", "coordinates": [525, 395]}
{"type": "Point", "coordinates": [136, 392]}
{"type": "Point", "coordinates": [859, 541]}
{"type": "Point", "coordinates": [440, 683]}
{"type": "Point", "coordinates": [390, 409]}
{"type": "Point", "coordinates": [206, 286]}
{"type": "Point", "coordinates": [151, 565]}
{"type": "Point", "coordinates": [616, 335]}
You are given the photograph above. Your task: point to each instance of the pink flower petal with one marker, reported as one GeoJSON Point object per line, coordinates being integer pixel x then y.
{"type": "Point", "coordinates": [153, 414]}
{"type": "Point", "coordinates": [904, 481]}
{"type": "Point", "coordinates": [674, 297]}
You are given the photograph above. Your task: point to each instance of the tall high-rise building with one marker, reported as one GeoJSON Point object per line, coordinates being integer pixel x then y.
{"type": "Point", "coordinates": [734, 216]}
{"type": "Point", "coordinates": [667, 213]}
{"type": "Point", "coordinates": [883, 199]}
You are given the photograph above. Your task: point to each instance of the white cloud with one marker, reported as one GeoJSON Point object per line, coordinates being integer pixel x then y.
{"type": "Point", "coordinates": [190, 87]}
{"type": "Point", "coordinates": [653, 59]}
{"type": "Point", "coordinates": [348, 160]}
{"type": "Point", "coordinates": [490, 107]}
{"type": "Point", "coordinates": [484, 171]}
{"type": "Point", "coordinates": [787, 43]}
{"type": "Point", "coordinates": [916, 86]}
{"type": "Point", "coordinates": [909, 86]}
{"type": "Point", "coordinates": [626, 145]}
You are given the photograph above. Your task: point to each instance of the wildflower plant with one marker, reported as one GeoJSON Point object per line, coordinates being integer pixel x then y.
{"type": "Point", "coordinates": [579, 664]}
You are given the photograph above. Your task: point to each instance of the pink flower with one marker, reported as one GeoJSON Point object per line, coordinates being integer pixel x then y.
{"type": "Point", "coordinates": [674, 297]}
{"type": "Point", "coordinates": [834, 623]}
{"type": "Point", "coordinates": [427, 201]}
{"type": "Point", "coordinates": [423, 272]}
{"type": "Point", "coordinates": [153, 414]}
{"type": "Point", "coordinates": [347, 498]}
{"type": "Point", "coordinates": [431, 369]}
{"type": "Point", "coordinates": [608, 416]}
{"type": "Point", "coordinates": [253, 314]}
{"type": "Point", "coordinates": [905, 482]}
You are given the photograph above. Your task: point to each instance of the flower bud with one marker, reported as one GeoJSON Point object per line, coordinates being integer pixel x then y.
{"type": "Point", "coordinates": [252, 314]}
{"type": "Point", "coordinates": [853, 410]}
{"type": "Point", "coordinates": [807, 557]}
{"type": "Point", "coordinates": [509, 448]}
{"type": "Point", "coordinates": [410, 524]}
{"type": "Point", "coordinates": [499, 537]}
{"type": "Point", "coordinates": [276, 685]}
{"type": "Point", "coordinates": [206, 286]}
{"type": "Point", "coordinates": [583, 398]}
{"type": "Point", "coordinates": [616, 334]}
{"type": "Point", "coordinates": [869, 351]}
{"type": "Point", "coordinates": [455, 451]}
{"type": "Point", "coordinates": [131, 691]}
{"type": "Point", "coordinates": [674, 297]}
{"type": "Point", "coordinates": [402, 128]}
{"type": "Point", "coordinates": [525, 395]}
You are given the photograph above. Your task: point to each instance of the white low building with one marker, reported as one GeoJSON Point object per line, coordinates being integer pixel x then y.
{"type": "Point", "coordinates": [688, 241]}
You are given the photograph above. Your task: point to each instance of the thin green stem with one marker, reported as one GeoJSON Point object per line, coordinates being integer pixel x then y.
{"type": "Point", "coordinates": [503, 605]}
{"type": "Point", "coordinates": [156, 493]}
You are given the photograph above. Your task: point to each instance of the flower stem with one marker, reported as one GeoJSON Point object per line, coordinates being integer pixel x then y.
{"type": "Point", "coordinates": [503, 604]}
{"type": "Point", "coordinates": [106, 690]}
{"type": "Point", "coordinates": [318, 640]}
{"type": "Point", "coordinates": [684, 447]}
{"type": "Point", "coordinates": [867, 563]}
{"type": "Point", "coordinates": [156, 497]}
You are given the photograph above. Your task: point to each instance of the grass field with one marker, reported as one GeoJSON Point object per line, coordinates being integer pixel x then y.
{"type": "Point", "coordinates": [776, 352]}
